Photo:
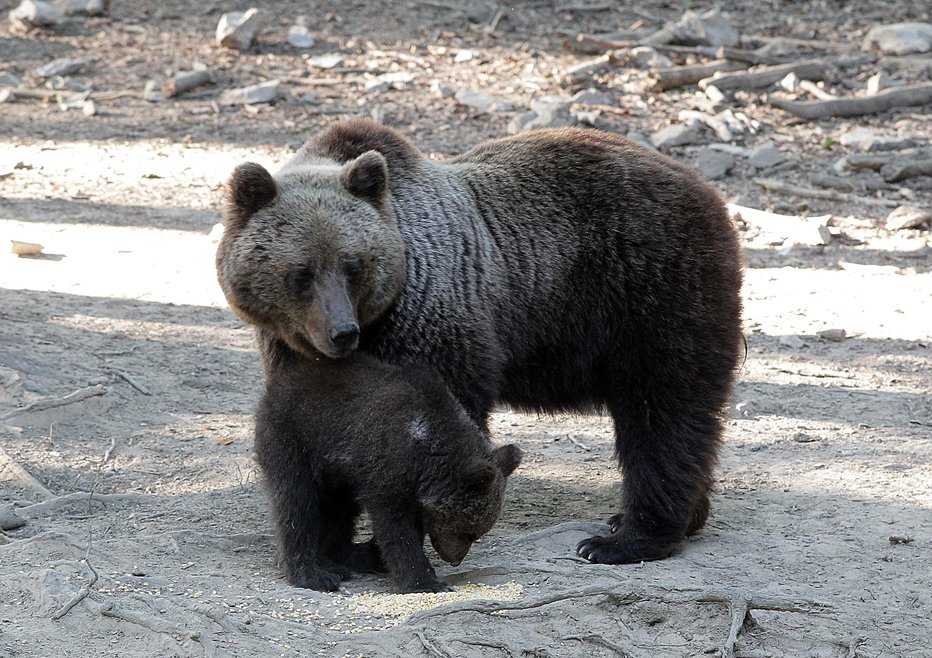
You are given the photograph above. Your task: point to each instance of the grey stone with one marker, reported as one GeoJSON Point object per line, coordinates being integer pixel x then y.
{"type": "Point", "coordinates": [710, 28]}
{"type": "Point", "coordinates": [880, 81]}
{"type": "Point", "coordinates": [899, 38]}
{"type": "Point", "coordinates": [551, 111]}
{"type": "Point", "coordinates": [8, 80]}
{"type": "Point", "coordinates": [264, 92]}
{"type": "Point", "coordinates": [441, 89]}
{"type": "Point", "coordinates": [713, 164]}
{"type": "Point", "coordinates": [153, 91]}
{"type": "Point", "coordinates": [903, 217]}
{"type": "Point", "coordinates": [640, 138]}
{"type": "Point", "coordinates": [83, 7]}
{"type": "Point", "coordinates": [9, 519]}
{"type": "Point", "coordinates": [300, 37]}
{"type": "Point", "coordinates": [384, 82]}
{"type": "Point", "coordinates": [834, 335]}
{"type": "Point", "coordinates": [238, 29]}
{"type": "Point", "coordinates": [645, 57]}
{"type": "Point", "coordinates": [482, 102]}
{"type": "Point", "coordinates": [765, 156]}
{"type": "Point", "coordinates": [63, 66]}
{"type": "Point", "coordinates": [519, 122]}
{"type": "Point", "coordinates": [591, 96]}
{"type": "Point", "coordinates": [588, 118]}
{"type": "Point", "coordinates": [7, 96]}
{"type": "Point", "coordinates": [328, 61]}
{"type": "Point", "coordinates": [34, 13]}
{"type": "Point", "coordinates": [792, 341]}
{"type": "Point", "coordinates": [677, 134]}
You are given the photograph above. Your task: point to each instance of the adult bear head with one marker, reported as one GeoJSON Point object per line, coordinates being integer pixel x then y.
{"type": "Point", "coordinates": [312, 254]}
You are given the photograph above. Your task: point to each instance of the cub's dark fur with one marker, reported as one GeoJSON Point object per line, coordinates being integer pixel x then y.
{"type": "Point", "coordinates": [554, 270]}
{"type": "Point", "coordinates": [335, 437]}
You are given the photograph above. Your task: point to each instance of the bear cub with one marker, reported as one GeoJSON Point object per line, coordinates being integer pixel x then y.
{"type": "Point", "coordinates": [335, 437]}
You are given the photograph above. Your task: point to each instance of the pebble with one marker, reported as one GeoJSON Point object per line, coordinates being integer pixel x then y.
{"type": "Point", "coordinates": [482, 102]}
{"type": "Point", "coordinates": [905, 217]}
{"type": "Point", "coordinates": [327, 61]}
{"type": "Point", "coordinates": [899, 38]}
{"type": "Point", "coordinates": [8, 80]}
{"type": "Point", "coordinates": [33, 13]}
{"type": "Point", "coordinates": [834, 335]}
{"type": "Point", "coordinates": [237, 29]}
{"type": "Point", "coordinates": [441, 89]}
{"type": "Point", "coordinates": [10, 520]}
{"type": "Point", "coordinates": [463, 56]}
{"type": "Point", "coordinates": [591, 96]}
{"type": "Point", "coordinates": [300, 37]}
{"type": "Point", "coordinates": [645, 57]}
{"type": "Point", "coordinates": [765, 156]}
{"type": "Point", "coordinates": [792, 341]}
{"type": "Point", "coordinates": [714, 164]}
{"type": "Point", "coordinates": [677, 134]}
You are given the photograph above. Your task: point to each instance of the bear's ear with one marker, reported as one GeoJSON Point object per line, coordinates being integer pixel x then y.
{"type": "Point", "coordinates": [366, 177]}
{"type": "Point", "coordinates": [250, 188]}
{"type": "Point", "coordinates": [478, 476]}
{"type": "Point", "coordinates": [507, 458]}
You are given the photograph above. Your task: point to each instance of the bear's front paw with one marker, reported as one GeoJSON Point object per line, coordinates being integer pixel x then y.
{"type": "Point", "coordinates": [616, 548]}
{"type": "Point", "coordinates": [615, 522]}
{"type": "Point", "coordinates": [319, 579]}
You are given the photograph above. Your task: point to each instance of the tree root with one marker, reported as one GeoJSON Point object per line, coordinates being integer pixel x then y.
{"type": "Point", "coordinates": [78, 496]}
{"type": "Point", "coordinates": [10, 466]}
{"type": "Point", "coordinates": [619, 650]}
{"type": "Point", "coordinates": [82, 593]}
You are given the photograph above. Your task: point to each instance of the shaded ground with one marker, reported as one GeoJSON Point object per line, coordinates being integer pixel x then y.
{"type": "Point", "coordinates": [823, 506]}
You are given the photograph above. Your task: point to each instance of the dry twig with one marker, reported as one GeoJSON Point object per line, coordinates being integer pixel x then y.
{"type": "Point", "coordinates": [72, 398]}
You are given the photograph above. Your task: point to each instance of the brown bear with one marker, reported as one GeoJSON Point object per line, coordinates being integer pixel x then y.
{"type": "Point", "coordinates": [556, 270]}
{"type": "Point", "coordinates": [336, 437]}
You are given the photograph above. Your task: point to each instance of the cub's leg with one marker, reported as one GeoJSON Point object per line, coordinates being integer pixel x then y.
{"type": "Point", "coordinates": [297, 508]}
{"type": "Point", "coordinates": [400, 539]}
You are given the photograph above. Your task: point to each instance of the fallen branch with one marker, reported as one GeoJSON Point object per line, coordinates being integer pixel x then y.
{"type": "Point", "coordinates": [813, 69]}
{"type": "Point", "coordinates": [850, 107]}
{"type": "Point", "coordinates": [85, 589]}
{"type": "Point", "coordinates": [78, 496]}
{"type": "Point", "coordinates": [42, 405]}
{"type": "Point", "coordinates": [185, 81]}
{"type": "Point", "coordinates": [896, 171]}
{"type": "Point", "coordinates": [129, 380]}
{"type": "Point", "coordinates": [680, 76]}
{"type": "Point", "coordinates": [10, 467]}
{"type": "Point", "coordinates": [579, 443]}
{"type": "Point", "coordinates": [774, 185]}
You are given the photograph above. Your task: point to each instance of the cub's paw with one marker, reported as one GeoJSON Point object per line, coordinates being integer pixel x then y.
{"type": "Point", "coordinates": [615, 522]}
{"type": "Point", "coordinates": [320, 579]}
{"type": "Point", "coordinates": [616, 548]}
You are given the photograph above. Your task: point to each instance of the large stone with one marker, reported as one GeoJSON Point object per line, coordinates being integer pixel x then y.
{"type": "Point", "coordinates": [713, 164]}
{"type": "Point", "coordinates": [765, 156]}
{"type": "Point", "coordinates": [238, 29]}
{"type": "Point", "coordinates": [62, 67]}
{"type": "Point", "coordinates": [677, 134]}
{"type": "Point", "coordinates": [904, 217]}
{"type": "Point", "coordinates": [710, 28]}
{"type": "Point", "coordinates": [34, 13]}
{"type": "Point", "coordinates": [899, 38]}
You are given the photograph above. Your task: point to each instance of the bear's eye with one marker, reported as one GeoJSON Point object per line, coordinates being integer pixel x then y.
{"type": "Point", "coordinates": [352, 267]}
{"type": "Point", "coordinates": [300, 278]}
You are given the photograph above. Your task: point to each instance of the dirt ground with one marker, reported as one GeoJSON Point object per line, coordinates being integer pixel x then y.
{"type": "Point", "coordinates": [127, 386]}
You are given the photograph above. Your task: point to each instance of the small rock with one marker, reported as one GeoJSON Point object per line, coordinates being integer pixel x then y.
{"type": "Point", "coordinates": [519, 122]}
{"type": "Point", "coordinates": [300, 37]}
{"type": "Point", "coordinates": [792, 341]}
{"type": "Point", "coordinates": [386, 81]}
{"type": "Point", "coordinates": [463, 56]}
{"type": "Point", "coordinates": [216, 232]}
{"type": "Point", "coordinates": [713, 164]}
{"type": "Point", "coordinates": [9, 519]}
{"type": "Point", "coordinates": [153, 92]}
{"type": "Point", "coordinates": [587, 118]}
{"type": "Point", "coordinates": [790, 82]}
{"type": "Point", "coordinates": [482, 102]}
{"type": "Point", "coordinates": [591, 97]}
{"type": "Point", "coordinates": [238, 30]}
{"type": "Point", "coordinates": [715, 95]}
{"type": "Point", "coordinates": [676, 135]}
{"type": "Point", "coordinates": [8, 80]}
{"type": "Point", "coordinates": [265, 92]}
{"type": "Point", "coordinates": [903, 217]}
{"type": "Point", "coordinates": [89, 108]}
{"type": "Point", "coordinates": [62, 67]}
{"type": "Point", "coordinates": [33, 13]}
{"type": "Point", "coordinates": [645, 57]}
{"type": "Point", "coordinates": [899, 38]}
{"type": "Point", "coordinates": [552, 112]}
{"type": "Point", "coordinates": [710, 28]}
{"type": "Point", "coordinates": [328, 61]}
{"type": "Point", "coordinates": [83, 7]}
{"type": "Point", "coordinates": [833, 335]}
{"type": "Point", "coordinates": [802, 437]}
{"type": "Point", "coordinates": [866, 139]}
{"type": "Point", "coordinates": [640, 138]}
{"type": "Point", "coordinates": [441, 89]}
{"type": "Point", "coordinates": [880, 81]}
{"type": "Point", "coordinates": [900, 539]}
{"type": "Point", "coordinates": [7, 95]}
{"type": "Point", "coordinates": [765, 156]}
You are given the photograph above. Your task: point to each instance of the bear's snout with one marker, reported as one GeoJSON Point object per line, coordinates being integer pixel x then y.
{"type": "Point", "coordinates": [345, 337]}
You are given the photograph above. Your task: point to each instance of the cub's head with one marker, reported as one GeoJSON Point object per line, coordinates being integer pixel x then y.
{"type": "Point", "coordinates": [312, 254]}
{"type": "Point", "coordinates": [470, 505]}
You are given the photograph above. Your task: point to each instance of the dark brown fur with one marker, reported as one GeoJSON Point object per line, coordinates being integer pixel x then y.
{"type": "Point", "coordinates": [554, 270]}
{"type": "Point", "coordinates": [336, 437]}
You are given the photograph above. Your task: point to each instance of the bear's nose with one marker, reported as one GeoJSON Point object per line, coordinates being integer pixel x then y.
{"type": "Point", "coordinates": [345, 336]}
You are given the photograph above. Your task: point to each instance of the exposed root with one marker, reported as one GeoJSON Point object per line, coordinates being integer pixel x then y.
{"type": "Point", "coordinates": [619, 650]}
{"type": "Point", "coordinates": [430, 647]}
{"type": "Point", "coordinates": [79, 496]}
{"type": "Point", "coordinates": [11, 469]}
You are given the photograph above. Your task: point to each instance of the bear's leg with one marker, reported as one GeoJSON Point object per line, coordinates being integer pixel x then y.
{"type": "Point", "coordinates": [401, 542]}
{"type": "Point", "coordinates": [667, 447]}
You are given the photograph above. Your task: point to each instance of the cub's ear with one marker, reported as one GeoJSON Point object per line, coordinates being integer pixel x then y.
{"type": "Point", "coordinates": [250, 188]}
{"type": "Point", "coordinates": [366, 176]}
{"type": "Point", "coordinates": [507, 458]}
{"type": "Point", "coordinates": [478, 476]}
